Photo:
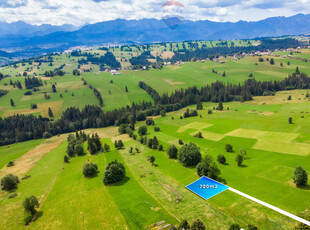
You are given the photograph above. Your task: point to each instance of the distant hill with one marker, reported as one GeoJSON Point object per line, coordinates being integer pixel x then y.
{"type": "Point", "coordinates": [23, 29]}
{"type": "Point", "coordinates": [152, 30]}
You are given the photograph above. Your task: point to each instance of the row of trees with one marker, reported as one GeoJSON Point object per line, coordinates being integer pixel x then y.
{"type": "Point", "coordinates": [203, 53]}
{"type": "Point", "coordinates": [97, 94]}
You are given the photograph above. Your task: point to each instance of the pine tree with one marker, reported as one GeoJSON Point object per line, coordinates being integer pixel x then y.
{"type": "Point", "coordinates": [12, 102]}
{"type": "Point", "coordinates": [116, 144]}
{"type": "Point", "coordinates": [54, 88]}
{"type": "Point", "coordinates": [120, 144]}
{"type": "Point", "coordinates": [50, 112]}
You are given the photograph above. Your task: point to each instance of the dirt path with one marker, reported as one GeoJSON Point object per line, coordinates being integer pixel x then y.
{"type": "Point", "coordinates": [23, 164]}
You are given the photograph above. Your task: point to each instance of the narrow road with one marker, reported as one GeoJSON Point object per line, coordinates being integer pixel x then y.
{"type": "Point", "coordinates": [271, 207]}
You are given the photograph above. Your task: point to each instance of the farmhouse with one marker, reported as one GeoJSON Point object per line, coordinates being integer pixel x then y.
{"type": "Point", "coordinates": [114, 72]}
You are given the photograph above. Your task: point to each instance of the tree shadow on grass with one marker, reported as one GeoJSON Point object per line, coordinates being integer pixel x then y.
{"type": "Point", "coordinates": [37, 216]}
{"type": "Point", "coordinates": [92, 177]}
{"type": "Point", "coordinates": [243, 166]}
{"type": "Point", "coordinates": [221, 180]}
{"type": "Point", "coordinates": [307, 187]}
{"type": "Point", "coordinates": [122, 182]}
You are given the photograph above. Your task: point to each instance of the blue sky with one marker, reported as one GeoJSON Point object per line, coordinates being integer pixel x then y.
{"type": "Point", "coordinates": [80, 12]}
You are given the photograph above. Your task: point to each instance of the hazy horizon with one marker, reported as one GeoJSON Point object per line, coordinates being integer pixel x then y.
{"type": "Point", "coordinates": [84, 12]}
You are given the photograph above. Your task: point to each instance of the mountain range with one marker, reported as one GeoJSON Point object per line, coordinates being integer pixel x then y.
{"type": "Point", "coordinates": [20, 35]}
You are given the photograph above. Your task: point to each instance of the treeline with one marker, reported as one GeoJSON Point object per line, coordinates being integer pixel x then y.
{"type": "Point", "coordinates": [203, 53]}
{"type": "Point", "coordinates": [152, 92]}
{"type": "Point", "coordinates": [19, 128]}
{"type": "Point", "coordinates": [221, 92]}
{"type": "Point", "coordinates": [97, 94]}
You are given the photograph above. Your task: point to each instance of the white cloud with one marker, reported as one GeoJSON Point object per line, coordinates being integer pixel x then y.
{"type": "Point", "coordinates": [81, 12]}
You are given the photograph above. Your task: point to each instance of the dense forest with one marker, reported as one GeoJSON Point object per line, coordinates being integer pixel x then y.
{"type": "Point", "coordinates": [142, 59]}
{"type": "Point", "coordinates": [19, 128]}
{"type": "Point", "coordinates": [107, 60]}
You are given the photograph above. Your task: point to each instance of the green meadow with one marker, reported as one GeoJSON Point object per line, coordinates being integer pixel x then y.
{"type": "Point", "coordinates": [149, 194]}
{"type": "Point", "coordinates": [72, 92]}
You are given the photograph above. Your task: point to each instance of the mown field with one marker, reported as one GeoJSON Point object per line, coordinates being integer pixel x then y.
{"type": "Point", "coordinates": [149, 194]}
{"type": "Point", "coordinates": [72, 92]}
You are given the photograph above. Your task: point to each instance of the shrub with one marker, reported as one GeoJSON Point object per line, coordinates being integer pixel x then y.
{"type": "Point", "coordinates": [30, 204]}
{"type": "Point", "coordinates": [300, 177]}
{"type": "Point", "coordinates": [208, 168]}
{"type": "Point", "coordinates": [221, 159]}
{"type": "Point", "coordinates": [46, 135]}
{"type": "Point", "coordinates": [239, 159]}
{"type": "Point", "coordinates": [160, 147]}
{"type": "Point", "coordinates": [156, 129]}
{"type": "Point", "coordinates": [122, 129]}
{"type": "Point", "coordinates": [90, 170]}
{"type": "Point", "coordinates": [181, 142]}
{"type": "Point", "coordinates": [149, 122]}
{"type": "Point", "coordinates": [106, 147]}
{"type": "Point", "coordinates": [172, 152]}
{"type": "Point", "coordinates": [184, 225]}
{"type": "Point", "coordinates": [151, 159]}
{"type": "Point", "coordinates": [234, 227]}
{"type": "Point", "coordinates": [198, 135]}
{"type": "Point", "coordinates": [28, 93]}
{"type": "Point", "coordinates": [33, 106]}
{"type": "Point", "coordinates": [9, 182]}
{"type": "Point", "coordinates": [251, 227]}
{"type": "Point", "coordinates": [10, 164]}
{"type": "Point", "coordinates": [189, 155]}
{"type": "Point", "coordinates": [114, 172]}
{"type": "Point", "coordinates": [229, 148]}
{"type": "Point", "coordinates": [142, 130]}
{"type": "Point", "coordinates": [198, 225]}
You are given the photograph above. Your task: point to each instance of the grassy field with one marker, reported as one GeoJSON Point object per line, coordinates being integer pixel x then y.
{"type": "Point", "coordinates": [150, 194]}
{"type": "Point", "coordinates": [72, 92]}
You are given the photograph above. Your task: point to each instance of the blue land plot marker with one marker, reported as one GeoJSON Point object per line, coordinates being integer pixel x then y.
{"type": "Point", "coordinates": [206, 187]}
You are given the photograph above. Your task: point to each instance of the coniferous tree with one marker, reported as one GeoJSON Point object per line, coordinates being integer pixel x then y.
{"type": "Point", "coordinates": [50, 112]}
{"type": "Point", "coordinates": [54, 88]}
{"type": "Point", "coordinates": [12, 102]}
{"type": "Point", "coordinates": [300, 177]}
